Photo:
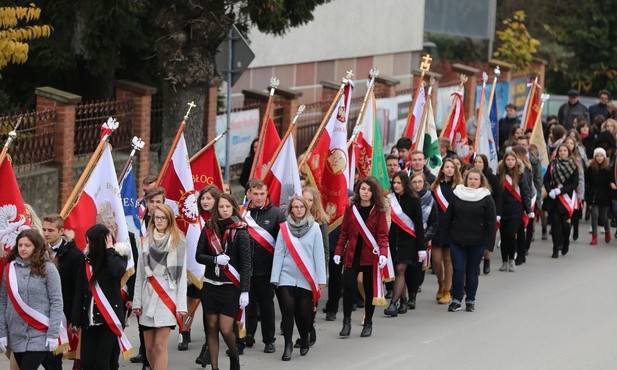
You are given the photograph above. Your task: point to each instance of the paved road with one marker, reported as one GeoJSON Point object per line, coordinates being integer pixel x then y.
{"type": "Point", "coordinates": [550, 314]}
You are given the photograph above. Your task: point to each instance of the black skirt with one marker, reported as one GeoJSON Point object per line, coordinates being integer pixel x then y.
{"type": "Point", "coordinates": [220, 299]}
{"type": "Point", "coordinates": [193, 292]}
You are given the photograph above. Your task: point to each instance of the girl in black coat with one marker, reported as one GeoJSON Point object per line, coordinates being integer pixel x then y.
{"type": "Point", "coordinates": [560, 182]}
{"type": "Point", "coordinates": [405, 248]}
{"type": "Point", "coordinates": [223, 244]}
{"type": "Point", "coordinates": [481, 162]}
{"type": "Point", "coordinates": [600, 182]}
{"type": "Point", "coordinates": [99, 345]}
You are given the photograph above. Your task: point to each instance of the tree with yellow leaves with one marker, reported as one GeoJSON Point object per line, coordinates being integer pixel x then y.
{"type": "Point", "coordinates": [517, 46]}
{"type": "Point", "coordinates": [15, 33]}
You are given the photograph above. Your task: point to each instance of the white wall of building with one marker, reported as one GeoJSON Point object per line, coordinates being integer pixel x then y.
{"type": "Point", "coordinates": [345, 29]}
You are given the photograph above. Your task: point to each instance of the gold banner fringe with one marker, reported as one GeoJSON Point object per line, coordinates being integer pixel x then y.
{"type": "Point", "coordinates": [128, 354]}
{"type": "Point", "coordinates": [127, 275]}
{"type": "Point", "coordinates": [241, 329]}
{"type": "Point", "coordinates": [198, 282]}
{"type": "Point", "coordinates": [379, 301]}
{"type": "Point", "coordinates": [62, 348]}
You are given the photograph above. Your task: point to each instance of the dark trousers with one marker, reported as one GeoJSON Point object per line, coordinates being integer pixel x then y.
{"type": "Point", "coordinates": [30, 360]}
{"type": "Point", "coordinates": [466, 268]}
{"type": "Point", "coordinates": [520, 242]}
{"type": "Point", "coordinates": [99, 348]}
{"type": "Point", "coordinates": [142, 347]}
{"type": "Point", "coordinates": [508, 230]}
{"type": "Point", "coordinates": [335, 282]}
{"type": "Point", "coordinates": [261, 295]}
{"type": "Point", "coordinates": [414, 276]}
{"type": "Point", "coordinates": [350, 284]}
{"type": "Point", "coordinates": [529, 233]}
{"type": "Point", "coordinates": [52, 362]}
{"type": "Point", "coordinates": [560, 229]}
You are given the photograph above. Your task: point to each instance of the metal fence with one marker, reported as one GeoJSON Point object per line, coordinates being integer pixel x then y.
{"type": "Point", "coordinates": [35, 138]}
{"type": "Point", "coordinates": [90, 116]}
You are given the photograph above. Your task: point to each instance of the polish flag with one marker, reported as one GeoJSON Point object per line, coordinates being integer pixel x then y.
{"type": "Point", "coordinates": [532, 107]}
{"type": "Point", "coordinates": [206, 170]}
{"type": "Point", "coordinates": [327, 164]}
{"type": "Point", "coordinates": [283, 179]}
{"type": "Point", "coordinates": [100, 202]}
{"type": "Point", "coordinates": [182, 198]}
{"type": "Point", "coordinates": [414, 118]}
{"type": "Point", "coordinates": [12, 211]}
{"type": "Point", "coordinates": [267, 151]}
{"type": "Point", "coordinates": [456, 129]}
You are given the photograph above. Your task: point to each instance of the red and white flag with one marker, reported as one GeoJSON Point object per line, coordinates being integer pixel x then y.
{"type": "Point", "coordinates": [206, 170]}
{"type": "Point", "coordinates": [414, 118]}
{"type": "Point", "coordinates": [362, 148]}
{"type": "Point", "coordinates": [283, 178]}
{"type": "Point", "coordinates": [12, 211]}
{"type": "Point", "coordinates": [100, 202]}
{"type": "Point", "coordinates": [273, 140]}
{"type": "Point", "coordinates": [182, 198]}
{"type": "Point", "coordinates": [327, 163]}
{"type": "Point", "coordinates": [531, 110]}
{"type": "Point", "coordinates": [456, 129]}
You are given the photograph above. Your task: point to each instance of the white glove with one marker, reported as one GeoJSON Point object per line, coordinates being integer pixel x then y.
{"type": "Point", "coordinates": [557, 191]}
{"type": "Point", "coordinates": [552, 194]}
{"type": "Point", "coordinates": [244, 299]}
{"type": "Point", "coordinates": [498, 218]}
{"type": "Point", "coordinates": [222, 259]}
{"type": "Point", "coordinates": [421, 256]}
{"type": "Point", "coordinates": [382, 261]}
{"type": "Point", "coordinates": [336, 259]}
{"type": "Point", "coordinates": [531, 215]}
{"type": "Point", "coordinates": [3, 344]}
{"type": "Point", "coordinates": [52, 344]}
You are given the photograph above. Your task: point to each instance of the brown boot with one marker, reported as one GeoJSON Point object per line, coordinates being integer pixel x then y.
{"type": "Point", "coordinates": [440, 291]}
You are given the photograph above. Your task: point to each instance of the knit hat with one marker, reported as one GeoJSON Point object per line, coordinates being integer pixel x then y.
{"type": "Point", "coordinates": [599, 150]}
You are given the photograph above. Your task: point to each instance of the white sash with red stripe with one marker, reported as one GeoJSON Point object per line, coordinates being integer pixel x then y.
{"type": "Point", "coordinates": [109, 315]}
{"type": "Point", "coordinates": [166, 298]}
{"type": "Point", "coordinates": [399, 217]}
{"type": "Point", "coordinates": [515, 192]}
{"type": "Point", "coordinates": [260, 234]}
{"type": "Point", "coordinates": [301, 259]}
{"type": "Point", "coordinates": [441, 199]}
{"type": "Point", "coordinates": [31, 316]}
{"type": "Point", "coordinates": [568, 203]}
{"type": "Point", "coordinates": [378, 292]}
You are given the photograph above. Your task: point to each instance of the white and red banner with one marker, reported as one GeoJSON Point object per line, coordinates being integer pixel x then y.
{"type": "Point", "coordinates": [206, 170]}
{"type": "Point", "coordinates": [271, 142]}
{"type": "Point", "coordinates": [283, 178]}
{"type": "Point", "coordinates": [414, 118]}
{"type": "Point", "coordinates": [258, 233]}
{"type": "Point", "coordinates": [531, 111]}
{"type": "Point", "coordinates": [304, 263]}
{"type": "Point", "coordinates": [182, 198]}
{"type": "Point", "coordinates": [327, 164]}
{"type": "Point", "coordinates": [12, 211]}
{"type": "Point", "coordinates": [362, 148]}
{"type": "Point", "coordinates": [456, 128]}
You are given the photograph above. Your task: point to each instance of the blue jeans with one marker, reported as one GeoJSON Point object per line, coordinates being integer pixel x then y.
{"type": "Point", "coordinates": [466, 268]}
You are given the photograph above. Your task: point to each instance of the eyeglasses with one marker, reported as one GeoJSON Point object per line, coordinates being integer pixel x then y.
{"type": "Point", "coordinates": [298, 207]}
{"type": "Point", "coordinates": [160, 218]}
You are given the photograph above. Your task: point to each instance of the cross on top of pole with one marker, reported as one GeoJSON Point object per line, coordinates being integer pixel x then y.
{"type": "Point", "coordinates": [191, 106]}
{"type": "Point", "coordinates": [426, 63]}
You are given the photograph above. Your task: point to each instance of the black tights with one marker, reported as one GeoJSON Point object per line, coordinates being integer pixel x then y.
{"type": "Point", "coordinates": [405, 275]}
{"type": "Point", "coordinates": [296, 303]}
{"type": "Point", "coordinates": [225, 325]}
{"type": "Point", "coordinates": [30, 360]}
{"type": "Point", "coordinates": [350, 285]}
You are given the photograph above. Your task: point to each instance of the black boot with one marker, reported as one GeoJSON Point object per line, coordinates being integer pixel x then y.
{"type": "Point", "coordinates": [367, 330]}
{"type": "Point", "coordinates": [346, 327]}
{"type": "Point", "coordinates": [487, 266]}
{"type": "Point", "coordinates": [184, 344]}
{"type": "Point", "coordinates": [204, 357]}
{"type": "Point", "coordinates": [412, 301]}
{"type": "Point", "coordinates": [234, 362]}
{"type": "Point", "coordinates": [304, 345]}
{"type": "Point", "coordinates": [392, 309]}
{"type": "Point", "coordinates": [287, 351]}
{"type": "Point", "coordinates": [312, 336]}
{"type": "Point", "coordinates": [402, 308]}
{"type": "Point", "coordinates": [555, 252]}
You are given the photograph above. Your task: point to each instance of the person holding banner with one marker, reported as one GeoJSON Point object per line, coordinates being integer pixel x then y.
{"type": "Point", "coordinates": [160, 285]}
{"type": "Point", "coordinates": [406, 239]}
{"type": "Point", "coordinates": [449, 177]}
{"type": "Point", "coordinates": [363, 248]}
{"type": "Point", "coordinates": [30, 330]}
{"type": "Point", "coordinates": [224, 248]}
{"type": "Point", "coordinates": [470, 226]}
{"type": "Point", "coordinates": [97, 290]}
{"type": "Point", "coordinates": [299, 272]}
{"type": "Point", "coordinates": [560, 182]}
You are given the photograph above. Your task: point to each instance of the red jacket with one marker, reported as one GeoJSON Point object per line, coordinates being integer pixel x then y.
{"type": "Point", "coordinates": [346, 245]}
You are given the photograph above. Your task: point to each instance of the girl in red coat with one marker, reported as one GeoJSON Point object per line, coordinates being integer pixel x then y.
{"type": "Point", "coordinates": [362, 246]}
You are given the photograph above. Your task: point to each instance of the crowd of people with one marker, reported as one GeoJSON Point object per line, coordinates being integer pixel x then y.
{"type": "Point", "coordinates": [447, 222]}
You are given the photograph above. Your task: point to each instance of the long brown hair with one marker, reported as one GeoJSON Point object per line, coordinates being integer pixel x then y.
{"type": "Point", "coordinates": [215, 222]}
{"type": "Point", "coordinates": [172, 225]}
{"type": "Point", "coordinates": [39, 255]}
{"type": "Point", "coordinates": [502, 170]}
{"type": "Point", "coordinates": [377, 197]}
{"type": "Point", "coordinates": [457, 178]}
{"type": "Point", "coordinates": [320, 215]}
{"type": "Point", "coordinates": [213, 191]}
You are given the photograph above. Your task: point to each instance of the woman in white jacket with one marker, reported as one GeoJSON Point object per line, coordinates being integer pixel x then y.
{"type": "Point", "coordinates": [299, 272]}
{"type": "Point", "coordinates": [160, 285]}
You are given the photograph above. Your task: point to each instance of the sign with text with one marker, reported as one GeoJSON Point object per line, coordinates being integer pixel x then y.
{"type": "Point", "coordinates": [243, 129]}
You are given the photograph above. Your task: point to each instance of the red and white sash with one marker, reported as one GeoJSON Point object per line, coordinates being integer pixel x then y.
{"type": "Point", "coordinates": [167, 300]}
{"type": "Point", "coordinates": [109, 315]}
{"type": "Point", "coordinates": [515, 192]}
{"type": "Point", "coordinates": [399, 217]}
{"type": "Point", "coordinates": [568, 203]}
{"type": "Point", "coordinates": [441, 199]}
{"type": "Point", "coordinates": [31, 316]}
{"type": "Point", "coordinates": [526, 218]}
{"type": "Point", "coordinates": [303, 262]}
{"type": "Point", "coordinates": [260, 234]}
{"type": "Point", "coordinates": [378, 291]}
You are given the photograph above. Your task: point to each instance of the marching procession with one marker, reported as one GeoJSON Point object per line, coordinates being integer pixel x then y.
{"type": "Point", "coordinates": [370, 226]}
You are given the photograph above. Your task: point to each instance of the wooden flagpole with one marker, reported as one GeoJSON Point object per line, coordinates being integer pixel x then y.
{"type": "Point", "coordinates": [529, 103]}
{"type": "Point", "coordinates": [137, 144]}
{"type": "Point", "coordinates": [202, 150]}
{"type": "Point", "coordinates": [493, 89]}
{"type": "Point", "coordinates": [463, 79]}
{"type": "Point", "coordinates": [174, 144]}
{"type": "Point", "coordinates": [85, 175]}
{"type": "Point", "coordinates": [274, 83]}
{"type": "Point", "coordinates": [374, 72]}
{"type": "Point", "coordinates": [425, 66]}
{"type": "Point", "coordinates": [324, 121]}
{"type": "Point", "coordinates": [480, 112]}
{"type": "Point", "coordinates": [422, 128]}
{"type": "Point", "coordinates": [292, 127]}
{"type": "Point", "coordinates": [9, 141]}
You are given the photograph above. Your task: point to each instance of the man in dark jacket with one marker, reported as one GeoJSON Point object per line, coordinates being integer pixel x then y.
{"type": "Point", "coordinates": [263, 223]}
{"type": "Point", "coordinates": [572, 109]}
{"type": "Point", "coordinates": [69, 259]}
{"type": "Point", "coordinates": [507, 123]}
{"type": "Point", "coordinates": [602, 107]}
{"type": "Point", "coordinates": [418, 164]}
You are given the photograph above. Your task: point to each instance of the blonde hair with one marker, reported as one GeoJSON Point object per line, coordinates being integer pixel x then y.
{"type": "Point", "coordinates": [35, 221]}
{"type": "Point", "coordinates": [320, 215]}
{"type": "Point", "coordinates": [172, 225]}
